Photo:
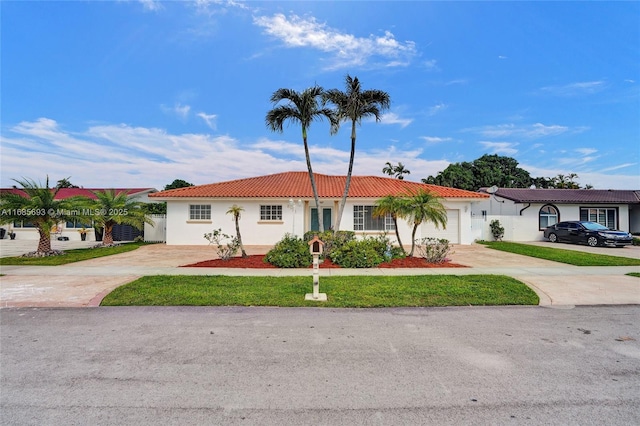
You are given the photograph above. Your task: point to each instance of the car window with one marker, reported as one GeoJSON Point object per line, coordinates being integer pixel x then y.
{"type": "Point", "coordinates": [573, 226]}
{"type": "Point", "coordinates": [593, 226]}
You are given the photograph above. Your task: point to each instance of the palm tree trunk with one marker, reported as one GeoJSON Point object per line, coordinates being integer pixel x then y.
{"type": "Point", "coordinates": [413, 238]}
{"type": "Point", "coordinates": [244, 253]}
{"type": "Point", "coordinates": [395, 223]}
{"type": "Point", "coordinates": [107, 238]}
{"type": "Point", "coordinates": [44, 244]}
{"type": "Point", "coordinates": [312, 178]}
{"type": "Point", "coordinates": [348, 182]}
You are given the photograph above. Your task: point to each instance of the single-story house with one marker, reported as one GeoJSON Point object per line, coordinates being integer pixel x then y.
{"type": "Point", "coordinates": [282, 203]}
{"type": "Point", "coordinates": [26, 231]}
{"type": "Point", "coordinates": [524, 213]}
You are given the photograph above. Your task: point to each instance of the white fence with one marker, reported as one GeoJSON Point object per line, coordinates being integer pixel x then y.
{"type": "Point", "coordinates": [158, 232]}
{"type": "Point", "coordinates": [516, 228]}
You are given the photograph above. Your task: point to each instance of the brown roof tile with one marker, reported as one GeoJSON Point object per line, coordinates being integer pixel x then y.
{"type": "Point", "coordinates": [569, 195]}
{"type": "Point", "coordinates": [297, 185]}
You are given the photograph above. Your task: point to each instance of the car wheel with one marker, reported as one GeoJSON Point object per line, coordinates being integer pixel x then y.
{"type": "Point", "coordinates": [592, 241]}
{"type": "Point", "coordinates": [553, 238]}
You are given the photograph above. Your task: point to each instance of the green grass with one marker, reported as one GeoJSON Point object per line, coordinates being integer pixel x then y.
{"type": "Point", "coordinates": [342, 292]}
{"type": "Point", "coordinates": [70, 256]}
{"type": "Point", "coordinates": [572, 257]}
{"type": "Point", "coordinates": [634, 274]}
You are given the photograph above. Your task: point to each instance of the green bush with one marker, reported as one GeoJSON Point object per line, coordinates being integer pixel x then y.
{"type": "Point", "coordinates": [331, 239]}
{"type": "Point", "coordinates": [497, 230]}
{"type": "Point", "coordinates": [290, 252]}
{"type": "Point", "coordinates": [433, 250]}
{"type": "Point", "coordinates": [636, 241]}
{"type": "Point", "coordinates": [365, 253]}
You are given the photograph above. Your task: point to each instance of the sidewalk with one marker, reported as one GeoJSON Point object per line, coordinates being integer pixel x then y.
{"type": "Point", "coordinates": [85, 283]}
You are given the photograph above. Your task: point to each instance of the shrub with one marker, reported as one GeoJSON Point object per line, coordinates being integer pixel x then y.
{"type": "Point", "coordinates": [433, 250]}
{"type": "Point", "coordinates": [496, 230]}
{"type": "Point", "coordinates": [365, 253]}
{"type": "Point", "coordinates": [636, 241]}
{"type": "Point", "coordinates": [290, 252]}
{"type": "Point", "coordinates": [331, 239]}
{"type": "Point", "coordinates": [225, 251]}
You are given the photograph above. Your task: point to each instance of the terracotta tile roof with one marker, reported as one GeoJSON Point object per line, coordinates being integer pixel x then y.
{"type": "Point", "coordinates": [297, 185]}
{"type": "Point", "coordinates": [570, 196]}
{"type": "Point", "coordinates": [74, 192]}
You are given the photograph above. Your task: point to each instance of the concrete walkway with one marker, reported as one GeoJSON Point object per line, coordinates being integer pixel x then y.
{"type": "Point", "coordinates": [86, 283]}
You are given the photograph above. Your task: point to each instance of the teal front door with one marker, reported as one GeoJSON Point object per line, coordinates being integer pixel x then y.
{"type": "Point", "coordinates": [326, 219]}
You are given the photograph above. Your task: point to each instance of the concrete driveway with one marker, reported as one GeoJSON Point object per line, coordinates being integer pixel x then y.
{"type": "Point", "coordinates": [86, 283]}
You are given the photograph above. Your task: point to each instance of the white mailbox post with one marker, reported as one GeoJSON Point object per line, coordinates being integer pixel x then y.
{"type": "Point", "coordinates": [316, 247]}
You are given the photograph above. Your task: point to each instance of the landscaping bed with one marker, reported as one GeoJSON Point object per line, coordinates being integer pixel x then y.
{"type": "Point", "coordinates": [257, 261]}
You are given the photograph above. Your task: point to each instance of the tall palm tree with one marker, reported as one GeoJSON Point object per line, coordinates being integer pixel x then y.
{"type": "Point", "coordinates": [37, 205]}
{"type": "Point", "coordinates": [353, 105]}
{"type": "Point", "coordinates": [422, 206]}
{"type": "Point", "coordinates": [111, 208]}
{"type": "Point", "coordinates": [302, 108]}
{"type": "Point", "coordinates": [394, 207]}
{"type": "Point", "coordinates": [236, 212]}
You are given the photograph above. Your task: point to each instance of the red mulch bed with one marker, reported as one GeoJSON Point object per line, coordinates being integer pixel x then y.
{"type": "Point", "coordinates": [256, 261]}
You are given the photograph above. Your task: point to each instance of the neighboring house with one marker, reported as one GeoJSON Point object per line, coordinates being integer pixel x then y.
{"type": "Point", "coordinates": [282, 203]}
{"type": "Point", "coordinates": [25, 231]}
{"type": "Point", "coordinates": [524, 213]}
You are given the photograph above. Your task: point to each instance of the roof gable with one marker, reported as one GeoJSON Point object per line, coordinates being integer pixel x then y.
{"type": "Point", "coordinates": [297, 185]}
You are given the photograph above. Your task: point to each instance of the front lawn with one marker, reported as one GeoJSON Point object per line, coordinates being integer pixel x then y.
{"type": "Point", "coordinates": [70, 256]}
{"type": "Point", "coordinates": [634, 274]}
{"type": "Point", "coordinates": [572, 257]}
{"type": "Point", "coordinates": [342, 292]}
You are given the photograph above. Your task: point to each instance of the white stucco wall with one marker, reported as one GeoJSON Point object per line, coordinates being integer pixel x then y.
{"type": "Point", "coordinates": [521, 223]}
{"type": "Point", "coordinates": [182, 231]}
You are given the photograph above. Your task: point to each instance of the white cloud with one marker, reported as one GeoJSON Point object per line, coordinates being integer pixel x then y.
{"type": "Point", "coordinates": [435, 139]}
{"type": "Point", "coordinates": [152, 5]}
{"type": "Point", "coordinates": [393, 118]}
{"type": "Point", "coordinates": [506, 148]}
{"type": "Point", "coordinates": [586, 151]}
{"type": "Point", "coordinates": [210, 119]}
{"type": "Point", "coordinates": [179, 110]}
{"type": "Point", "coordinates": [574, 89]}
{"type": "Point", "coordinates": [437, 108]}
{"type": "Point", "coordinates": [347, 50]}
{"type": "Point", "coordinates": [529, 131]}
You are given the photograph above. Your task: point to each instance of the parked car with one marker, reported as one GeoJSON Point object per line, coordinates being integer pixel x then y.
{"type": "Point", "coordinates": [591, 233]}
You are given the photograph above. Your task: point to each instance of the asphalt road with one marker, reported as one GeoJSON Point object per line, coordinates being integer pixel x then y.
{"type": "Point", "coordinates": [282, 366]}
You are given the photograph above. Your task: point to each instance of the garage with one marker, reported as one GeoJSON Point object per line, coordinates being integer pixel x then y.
{"type": "Point", "coordinates": [451, 233]}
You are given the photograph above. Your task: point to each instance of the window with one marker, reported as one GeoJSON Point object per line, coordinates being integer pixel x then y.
{"type": "Point", "coordinates": [199, 212]}
{"type": "Point", "coordinates": [363, 220]}
{"type": "Point", "coordinates": [271, 212]}
{"type": "Point", "coordinates": [77, 224]}
{"type": "Point", "coordinates": [23, 224]}
{"type": "Point", "coordinates": [548, 216]}
{"type": "Point", "coordinates": [604, 216]}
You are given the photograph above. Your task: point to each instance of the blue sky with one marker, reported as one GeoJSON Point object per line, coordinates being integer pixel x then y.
{"type": "Point", "coordinates": [139, 93]}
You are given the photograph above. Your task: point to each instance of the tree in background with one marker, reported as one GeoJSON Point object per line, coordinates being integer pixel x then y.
{"type": "Point", "coordinates": [65, 183]}
{"type": "Point", "coordinates": [177, 183]}
{"type": "Point", "coordinates": [353, 105]}
{"type": "Point", "coordinates": [38, 206]}
{"type": "Point", "coordinates": [302, 108]}
{"type": "Point", "coordinates": [236, 212]}
{"type": "Point", "coordinates": [395, 171]}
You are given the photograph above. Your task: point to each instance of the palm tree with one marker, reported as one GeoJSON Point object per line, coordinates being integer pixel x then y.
{"type": "Point", "coordinates": [396, 171]}
{"type": "Point", "coordinates": [302, 108]}
{"type": "Point", "coordinates": [111, 208]}
{"type": "Point", "coordinates": [394, 207]}
{"type": "Point", "coordinates": [422, 206]}
{"type": "Point", "coordinates": [236, 212]}
{"type": "Point", "coordinates": [37, 205]}
{"type": "Point", "coordinates": [353, 105]}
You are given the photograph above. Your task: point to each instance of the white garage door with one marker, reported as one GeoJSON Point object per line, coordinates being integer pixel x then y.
{"type": "Point", "coordinates": [451, 233]}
